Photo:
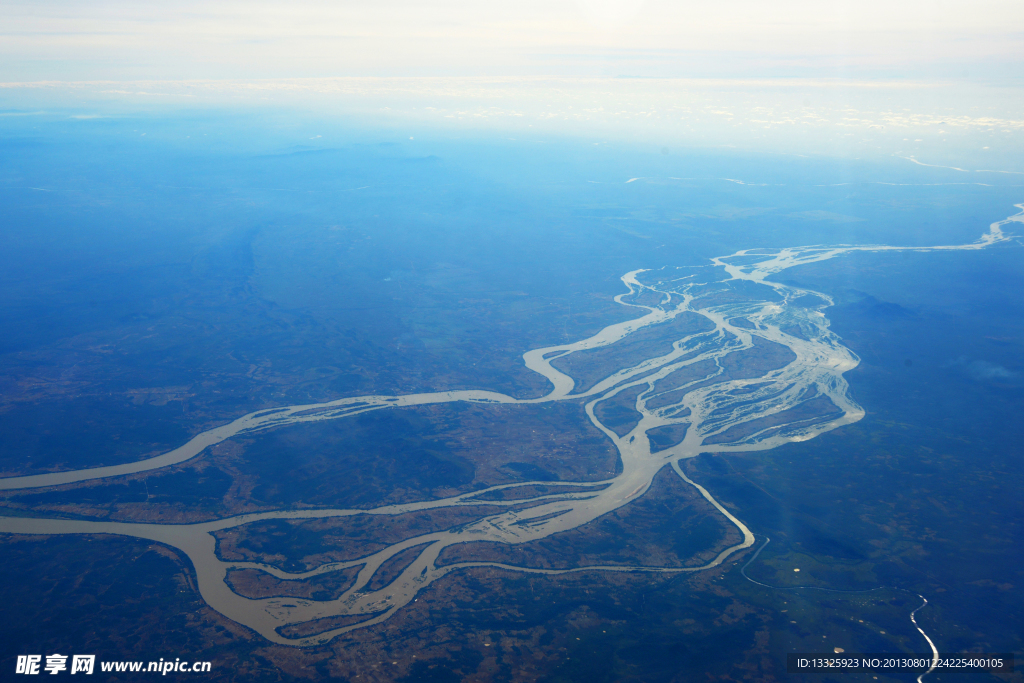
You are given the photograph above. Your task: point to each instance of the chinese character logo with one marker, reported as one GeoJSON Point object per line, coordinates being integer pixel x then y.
{"type": "Point", "coordinates": [28, 664]}
{"type": "Point", "coordinates": [82, 664]}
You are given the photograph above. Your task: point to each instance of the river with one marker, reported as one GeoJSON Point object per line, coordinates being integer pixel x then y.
{"type": "Point", "coordinates": [721, 414]}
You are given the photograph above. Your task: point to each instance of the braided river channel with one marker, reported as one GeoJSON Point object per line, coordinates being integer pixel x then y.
{"type": "Point", "coordinates": [725, 308]}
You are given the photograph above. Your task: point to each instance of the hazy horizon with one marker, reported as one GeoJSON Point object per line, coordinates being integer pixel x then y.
{"type": "Point", "coordinates": [59, 40]}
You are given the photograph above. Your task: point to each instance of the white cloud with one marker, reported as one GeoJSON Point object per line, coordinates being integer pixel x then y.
{"type": "Point", "coordinates": [982, 370]}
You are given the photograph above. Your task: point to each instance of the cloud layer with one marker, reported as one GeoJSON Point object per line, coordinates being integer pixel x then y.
{"type": "Point", "coordinates": [63, 40]}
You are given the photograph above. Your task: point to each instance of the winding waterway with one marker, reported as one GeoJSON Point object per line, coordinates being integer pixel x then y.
{"type": "Point", "coordinates": [691, 386]}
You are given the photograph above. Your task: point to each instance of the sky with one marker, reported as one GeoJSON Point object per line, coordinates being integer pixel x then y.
{"type": "Point", "coordinates": [64, 40]}
{"type": "Point", "coordinates": [940, 81]}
